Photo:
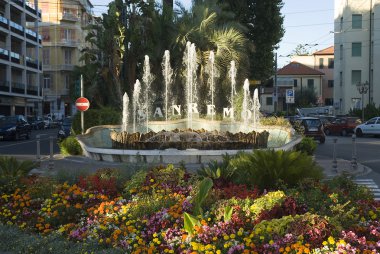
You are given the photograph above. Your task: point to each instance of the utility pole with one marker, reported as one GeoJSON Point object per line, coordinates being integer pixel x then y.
{"type": "Point", "coordinates": [275, 97]}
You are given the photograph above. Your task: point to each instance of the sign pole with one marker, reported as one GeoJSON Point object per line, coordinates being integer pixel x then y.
{"type": "Point", "coordinates": [82, 112]}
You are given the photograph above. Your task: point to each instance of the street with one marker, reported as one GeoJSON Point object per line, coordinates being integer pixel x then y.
{"type": "Point", "coordinates": [29, 147]}
{"type": "Point", "coordinates": [368, 154]}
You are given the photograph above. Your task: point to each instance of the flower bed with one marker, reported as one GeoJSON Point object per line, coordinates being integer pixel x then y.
{"type": "Point", "coordinates": [168, 210]}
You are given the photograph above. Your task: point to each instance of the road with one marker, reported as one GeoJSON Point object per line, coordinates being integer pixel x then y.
{"type": "Point", "coordinates": [29, 147]}
{"type": "Point", "coordinates": [368, 154]}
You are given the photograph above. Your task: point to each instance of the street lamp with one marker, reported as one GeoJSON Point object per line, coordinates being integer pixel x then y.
{"type": "Point", "coordinates": [362, 89]}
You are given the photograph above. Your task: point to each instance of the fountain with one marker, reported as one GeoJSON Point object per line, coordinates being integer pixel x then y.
{"type": "Point", "coordinates": [191, 139]}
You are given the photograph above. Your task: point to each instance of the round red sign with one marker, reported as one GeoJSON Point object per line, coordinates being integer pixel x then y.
{"type": "Point", "coordinates": [82, 104]}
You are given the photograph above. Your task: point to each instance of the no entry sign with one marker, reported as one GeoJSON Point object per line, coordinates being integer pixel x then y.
{"type": "Point", "coordinates": [82, 104]}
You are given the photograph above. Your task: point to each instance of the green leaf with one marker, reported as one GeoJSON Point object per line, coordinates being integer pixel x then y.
{"type": "Point", "coordinates": [204, 188]}
{"type": "Point", "coordinates": [189, 223]}
{"type": "Point", "coordinates": [228, 213]}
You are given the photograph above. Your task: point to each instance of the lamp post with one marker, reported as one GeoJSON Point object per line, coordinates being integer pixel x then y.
{"type": "Point", "coordinates": [362, 89]}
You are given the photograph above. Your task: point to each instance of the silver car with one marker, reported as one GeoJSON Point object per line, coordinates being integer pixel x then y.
{"type": "Point", "coordinates": [371, 127]}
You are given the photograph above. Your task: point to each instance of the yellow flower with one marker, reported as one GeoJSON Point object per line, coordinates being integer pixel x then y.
{"type": "Point", "coordinates": [226, 237]}
{"type": "Point", "coordinates": [331, 240]}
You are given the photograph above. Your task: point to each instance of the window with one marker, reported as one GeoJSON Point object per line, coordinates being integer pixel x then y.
{"type": "Point", "coordinates": [372, 121]}
{"type": "Point", "coordinates": [329, 101]}
{"type": "Point", "coordinates": [341, 52]}
{"type": "Point", "coordinates": [269, 101]}
{"type": "Point", "coordinates": [356, 21]}
{"type": "Point", "coordinates": [341, 24]}
{"type": "Point", "coordinates": [341, 78]}
{"type": "Point", "coordinates": [331, 63]}
{"type": "Point", "coordinates": [320, 63]}
{"type": "Point", "coordinates": [67, 81]}
{"type": "Point", "coordinates": [330, 83]}
{"type": "Point", "coordinates": [310, 84]}
{"type": "Point", "coordinates": [47, 81]}
{"type": "Point", "coordinates": [67, 56]}
{"type": "Point", "coordinates": [356, 49]}
{"type": "Point", "coordinates": [295, 82]}
{"type": "Point", "coordinates": [356, 76]}
{"type": "Point", "coordinates": [46, 56]}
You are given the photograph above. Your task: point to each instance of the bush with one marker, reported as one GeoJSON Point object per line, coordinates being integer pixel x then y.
{"type": "Point", "coordinates": [268, 169]}
{"type": "Point", "coordinates": [94, 117]}
{"type": "Point", "coordinates": [11, 171]}
{"type": "Point", "coordinates": [70, 146]}
{"type": "Point", "coordinates": [278, 121]}
{"type": "Point", "coordinates": [307, 145]}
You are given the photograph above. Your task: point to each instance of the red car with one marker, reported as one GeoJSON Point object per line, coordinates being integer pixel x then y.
{"type": "Point", "coordinates": [342, 126]}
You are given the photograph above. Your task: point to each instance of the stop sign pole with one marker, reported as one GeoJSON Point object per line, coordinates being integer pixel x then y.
{"type": "Point", "coordinates": [82, 112]}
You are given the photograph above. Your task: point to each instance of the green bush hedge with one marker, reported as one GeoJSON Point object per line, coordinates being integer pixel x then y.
{"type": "Point", "coordinates": [307, 145]}
{"type": "Point", "coordinates": [70, 146]}
{"type": "Point", "coordinates": [94, 117]}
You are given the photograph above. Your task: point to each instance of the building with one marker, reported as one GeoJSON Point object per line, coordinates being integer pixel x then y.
{"type": "Point", "coordinates": [357, 53]}
{"type": "Point", "coordinates": [295, 76]}
{"type": "Point", "coordinates": [20, 58]}
{"type": "Point", "coordinates": [63, 36]}
{"type": "Point", "coordinates": [323, 61]}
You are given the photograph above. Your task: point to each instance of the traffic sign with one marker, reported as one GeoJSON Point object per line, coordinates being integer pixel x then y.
{"type": "Point", "coordinates": [82, 104]}
{"type": "Point", "coordinates": [289, 96]}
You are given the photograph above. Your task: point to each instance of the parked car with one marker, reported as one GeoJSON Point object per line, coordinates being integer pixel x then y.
{"type": "Point", "coordinates": [342, 126]}
{"type": "Point", "coordinates": [312, 127]}
{"type": "Point", "coordinates": [371, 127]}
{"type": "Point", "coordinates": [36, 122]}
{"type": "Point", "coordinates": [65, 129]}
{"type": "Point", "coordinates": [14, 127]}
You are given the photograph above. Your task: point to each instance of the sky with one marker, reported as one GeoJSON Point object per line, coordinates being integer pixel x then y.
{"type": "Point", "coordinates": [306, 22]}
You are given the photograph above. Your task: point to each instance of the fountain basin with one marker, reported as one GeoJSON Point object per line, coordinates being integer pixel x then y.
{"type": "Point", "coordinates": [97, 144]}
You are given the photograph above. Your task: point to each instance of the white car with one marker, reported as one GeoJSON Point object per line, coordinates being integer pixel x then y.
{"type": "Point", "coordinates": [371, 127]}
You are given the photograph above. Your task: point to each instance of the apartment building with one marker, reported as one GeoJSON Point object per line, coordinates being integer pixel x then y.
{"type": "Point", "coordinates": [63, 36]}
{"type": "Point", "coordinates": [20, 58]}
{"type": "Point", "coordinates": [357, 53]}
{"type": "Point", "coordinates": [323, 61]}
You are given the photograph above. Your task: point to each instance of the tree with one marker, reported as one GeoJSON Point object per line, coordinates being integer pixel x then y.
{"type": "Point", "coordinates": [305, 98]}
{"type": "Point", "coordinates": [264, 29]}
{"type": "Point", "coordinates": [301, 50]}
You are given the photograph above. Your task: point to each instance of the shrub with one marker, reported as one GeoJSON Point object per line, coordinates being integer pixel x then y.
{"type": "Point", "coordinates": [278, 121]}
{"type": "Point", "coordinates": [70, 146]}
{"type": "Point", "coordinates": [268, 169]}
{"type": "Point", "coordinates": [103, 181]}
{"type": "Point", "coordinates": [11, 171]}
{"type": "Point", "coordinates": [94, 117]}
{"type": "Point", "coordinates": [307, 145]}
{"type": "Point", "coordinates": [219, 172]}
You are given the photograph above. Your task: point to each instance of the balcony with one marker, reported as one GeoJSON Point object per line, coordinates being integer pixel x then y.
{"type": "Point", "coordinates": [30, 34]}
{"type": "Point", "coordinates": [16, 28]}
{"type": "Point", "coordinates": [4, 86]}
{"type": "Point", "coordinates": [69, 43]}
{"type": "Point", "coordinates": [66, 67]}
{"type": "Point", "coordinates": [15, 57]}
{"type": "Point", "coordinates": [4, 54]}
{"type": "Point", "coordinates": [18, 88]}
{"type": "Point", "coordinates": [3, 22]}
{"type": "Point", "coordinates": [69, 17]}
{"type": "Point", "coordinates": [19, 2]}
{"type": "Point", "coordinates": [32, 90]}
{"type": "Point", "coordinates": [30, 62]}
{"type": "Point", "coordinates": [30, 7]}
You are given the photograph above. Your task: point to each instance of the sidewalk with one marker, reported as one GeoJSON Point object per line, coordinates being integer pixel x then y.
{"type": "Point", "coordinates": [81, 163]}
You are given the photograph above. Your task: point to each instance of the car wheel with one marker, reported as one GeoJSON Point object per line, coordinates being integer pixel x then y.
{"type": "Point", "coordinates": [322, 140]}
{"type": "Point", "coordinates": [17, 136]}
{"type": "Point", "coordinates": [359, 133]}
{"type": "Point", "coordinates": [327, 132]}
{"type": "Point", "coordinates": [27, 135]}
{"type": "Point", "coordinates": [344, 133]}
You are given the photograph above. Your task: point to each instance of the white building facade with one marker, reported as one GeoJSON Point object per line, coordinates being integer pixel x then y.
{"type": "Point", "coordinates": [357, 53]}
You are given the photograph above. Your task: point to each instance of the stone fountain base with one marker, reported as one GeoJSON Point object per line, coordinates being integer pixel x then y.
{"type": "Point", "coordinates": [97, 144]}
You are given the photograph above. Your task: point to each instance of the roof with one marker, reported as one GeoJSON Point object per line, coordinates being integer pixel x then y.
{"type": "Point", "coordinates": [296, 68]}
{"type": "Point", "coordinates": [326, 51]}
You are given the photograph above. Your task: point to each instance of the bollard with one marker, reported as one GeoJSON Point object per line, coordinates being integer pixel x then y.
{"type": "Point", "coordinates": [38, 155]}
{"type": "Point", "coordinates": [51, 162]}
{"type": "Point", "coordinates": [354, 161]}
{"type": "Point", "coordinates": [335, 163]}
